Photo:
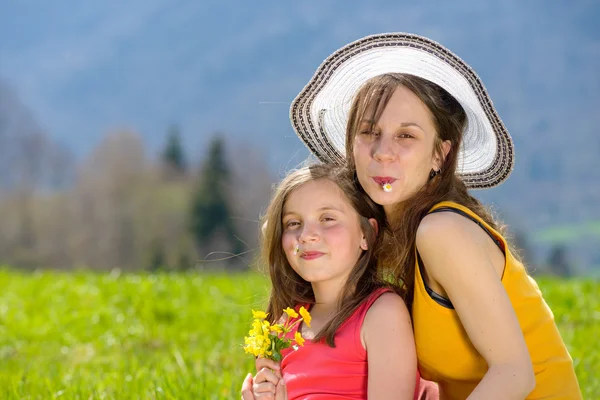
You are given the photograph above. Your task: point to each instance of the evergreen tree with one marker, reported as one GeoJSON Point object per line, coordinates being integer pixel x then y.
{"type": "Point", "coordinates": [558, 260]}
{"type": "Point", "coordinates": [523, 249]}
{"type": "Point", "coordinates": [157, 258]}
{"type": "Point", "coordinates": [184, 263]}
{"type": "Point", "coordinates": [211, 209]}
{"type": "Point", "coordinates": [173, 156]}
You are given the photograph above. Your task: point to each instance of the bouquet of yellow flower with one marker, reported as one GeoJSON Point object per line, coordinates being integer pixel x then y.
{"type": "Point", "coordinates": [268, 340]}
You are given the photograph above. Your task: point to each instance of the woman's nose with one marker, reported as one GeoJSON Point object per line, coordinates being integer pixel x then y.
{"type": "Point", "coordinates": [384, 149]}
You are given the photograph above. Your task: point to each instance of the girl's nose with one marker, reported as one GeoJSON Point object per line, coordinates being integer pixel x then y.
{"type": "Point", "coordinates": [309, 233]}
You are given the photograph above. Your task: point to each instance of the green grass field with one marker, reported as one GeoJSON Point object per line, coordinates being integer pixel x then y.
{"type": "Point", "coordinates": [178, 336]}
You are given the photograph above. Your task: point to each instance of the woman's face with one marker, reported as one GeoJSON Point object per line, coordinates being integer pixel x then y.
{"type": "Point", "coordinates": [398, 149]}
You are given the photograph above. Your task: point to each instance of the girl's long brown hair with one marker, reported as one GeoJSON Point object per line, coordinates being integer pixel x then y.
{"type": "Point", "coordinates": [450, 120]}
{"type": "Point", "coordinates": [288, 288]}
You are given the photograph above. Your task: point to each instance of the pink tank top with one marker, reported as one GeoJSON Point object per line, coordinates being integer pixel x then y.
{"type": "Point", "coordinates": [317, 371]}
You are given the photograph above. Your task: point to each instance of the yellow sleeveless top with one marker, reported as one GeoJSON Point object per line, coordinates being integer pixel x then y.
{"type": "Point", "coordinates": [447, 356]}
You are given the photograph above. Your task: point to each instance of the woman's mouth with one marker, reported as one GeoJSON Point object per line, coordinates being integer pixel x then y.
{"type": "Point", "coordinates": [383, 180]}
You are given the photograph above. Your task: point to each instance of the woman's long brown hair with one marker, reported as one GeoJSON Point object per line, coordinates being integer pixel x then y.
{"type": "Point", "coordinates": [449, 118]}
{"type": "Point", "coordinates": [288, 288]}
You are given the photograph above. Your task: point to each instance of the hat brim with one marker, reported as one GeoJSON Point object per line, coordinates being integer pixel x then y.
{"type": "Point", "coordinates": [319, 114]}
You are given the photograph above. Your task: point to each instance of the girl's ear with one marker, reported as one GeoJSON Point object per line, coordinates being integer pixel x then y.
{"type": "Point", "coordinates": [374, 224]}
{"type": "Point", "coordinates": [363, 243]}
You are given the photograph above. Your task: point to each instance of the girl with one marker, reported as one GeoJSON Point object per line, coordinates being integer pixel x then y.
{"type": "Point", "coordinates": [319, 241]}
{"type": "Point", "coordinates": [420, 131]}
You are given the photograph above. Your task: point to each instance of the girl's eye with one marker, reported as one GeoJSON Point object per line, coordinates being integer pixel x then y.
{"type": "Point", "coordinates": [292, 224]}
{"type": "Point", "coordinates": [327, 219]}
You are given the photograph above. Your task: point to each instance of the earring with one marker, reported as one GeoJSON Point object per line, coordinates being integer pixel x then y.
{"type": "Point", "coordinates": [434, 173]}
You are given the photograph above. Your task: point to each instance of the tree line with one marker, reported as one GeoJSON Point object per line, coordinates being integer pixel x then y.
{"type": "Point", "coordinates": [120, 207]}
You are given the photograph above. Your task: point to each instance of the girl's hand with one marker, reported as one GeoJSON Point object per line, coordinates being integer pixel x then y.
{"type": "Point", "coordinates": [247, 388]}
{"type": "Point", "coordinates": [270, 365]}
{"type": "Point", "coordinates": [267, 384]}
{"type": "Point", "coordinates": [281, 391]}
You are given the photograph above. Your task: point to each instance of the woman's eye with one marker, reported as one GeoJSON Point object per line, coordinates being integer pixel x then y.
{"type": "Point", "coordinates": [328, 219]}
{"type": "Point", "coordinates": [369, 133]}
{"type": "Point", "coordinates": [405, 136]}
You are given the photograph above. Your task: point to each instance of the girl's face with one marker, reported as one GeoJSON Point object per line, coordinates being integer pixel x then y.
{"type": "Point", "coordinates": [322, 236]}
{"type": "Point", "coordinates": [398, 150]}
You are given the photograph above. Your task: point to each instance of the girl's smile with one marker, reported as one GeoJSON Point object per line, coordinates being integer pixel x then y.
{"type": "Point", "coordinates": [311, 255]}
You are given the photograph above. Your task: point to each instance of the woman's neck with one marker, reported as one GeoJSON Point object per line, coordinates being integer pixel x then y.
{"type": "Point", "coordinates": [393, 211]}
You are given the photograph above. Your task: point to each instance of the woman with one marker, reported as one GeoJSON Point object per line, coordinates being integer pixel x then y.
{"type": "Point", "coordinates": [418, 127]}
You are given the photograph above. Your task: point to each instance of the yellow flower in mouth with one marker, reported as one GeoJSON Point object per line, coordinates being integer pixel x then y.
{"type": "Point", "coordinates": [291, 312]}
{"type": "Point", "coordinates": [387, 187]}
{"type": "Point", "coordinates": [259, 314]}
{"type": "Point", "coordinates": [305, 316]}
{"type": "Point", "coordinates": [299, 339]}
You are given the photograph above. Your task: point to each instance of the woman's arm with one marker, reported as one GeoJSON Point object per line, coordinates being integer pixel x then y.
{"type": "Point", "coordinates": [388, 338]}
{"type": "Point", "coordinates": [458, 256]}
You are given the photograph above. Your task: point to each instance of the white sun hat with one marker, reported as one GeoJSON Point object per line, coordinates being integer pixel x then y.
{"type": "Point", "coordinates": [319, 114]}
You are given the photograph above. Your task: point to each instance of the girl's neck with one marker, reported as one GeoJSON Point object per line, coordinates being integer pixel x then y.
{"type": "Point", "coordinates": [327, 295]}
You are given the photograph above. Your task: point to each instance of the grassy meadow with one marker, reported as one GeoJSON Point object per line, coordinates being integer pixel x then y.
{"type": "Point", "coordinates": [85, 335]}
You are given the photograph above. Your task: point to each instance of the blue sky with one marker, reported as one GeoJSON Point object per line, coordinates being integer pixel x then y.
{"type": "Point", "coordinates": [85, 68]}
